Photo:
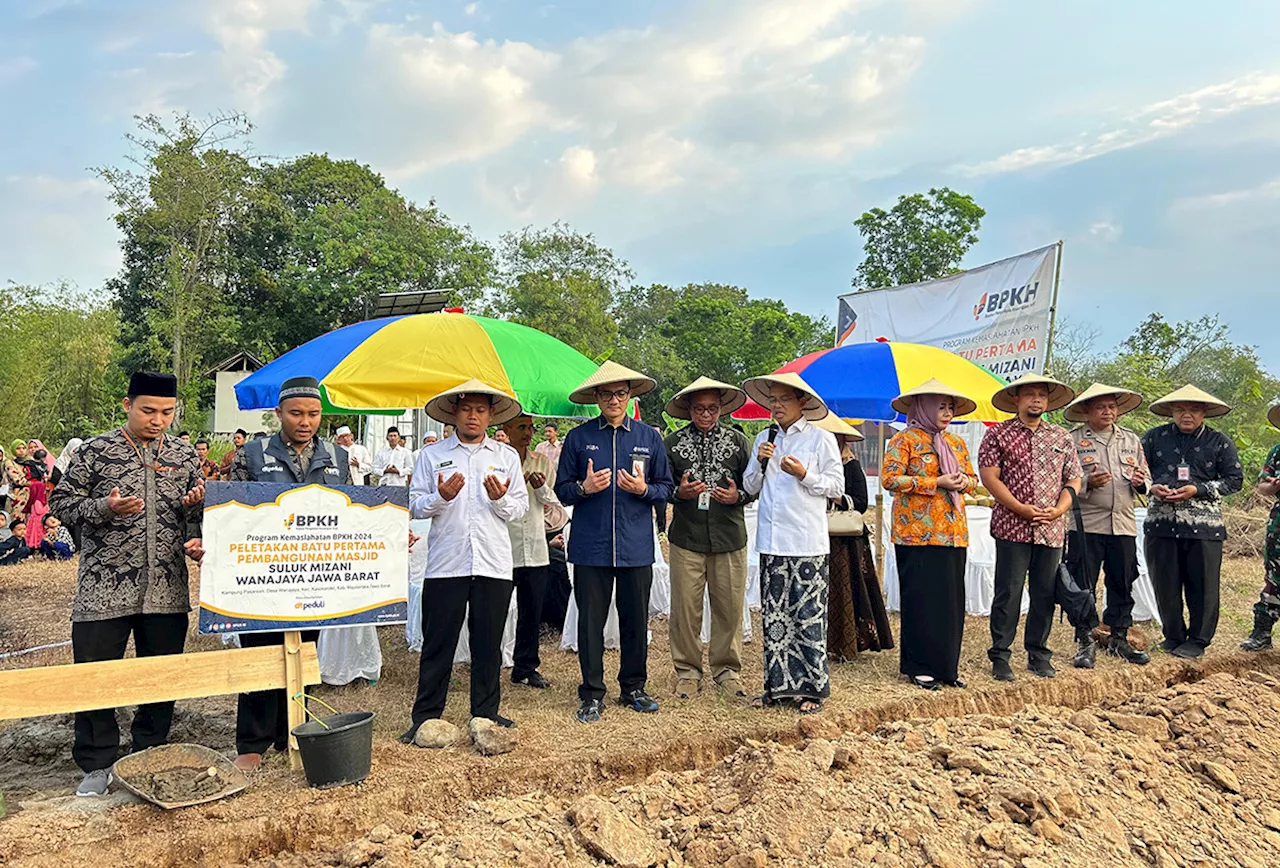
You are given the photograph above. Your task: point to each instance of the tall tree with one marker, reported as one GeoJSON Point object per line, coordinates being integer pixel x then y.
{"type": "Point", "coordinates": [922, 237]}
{"type": "Point", "coordinates": [175, 208]}
{"type": "Point", "coordinates": [564, 283]}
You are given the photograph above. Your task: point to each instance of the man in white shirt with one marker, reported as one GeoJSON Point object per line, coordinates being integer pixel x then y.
{"type": "Point", "coordinates": [357, 455]}
{"type": "Point", "coordinates": [795, 468]}
{"type": "Point", "coordinates": [393, 465]}
{"type": "Point", "coordinates": [470, 487]}
{"type": "Point", "coordinates": [529, 551]}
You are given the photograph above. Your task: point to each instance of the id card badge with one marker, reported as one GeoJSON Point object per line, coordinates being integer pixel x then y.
{"type": "Point", "coordinates": [1184, 472]}
{"type": "Point", "coordinates": [638, 463]}
{"type": "Point", "coordinates": [704, 500]}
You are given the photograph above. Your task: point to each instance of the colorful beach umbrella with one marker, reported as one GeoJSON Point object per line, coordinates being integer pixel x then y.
{"type": "Point", "coordinates": [404, 361]}
{"type": "Point", "coordinates": [858, 381]}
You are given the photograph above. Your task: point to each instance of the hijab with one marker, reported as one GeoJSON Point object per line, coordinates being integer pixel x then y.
{"type": "Point", "coordinates": [49, 459]}
{"type": "Point", "coordinates": [924, 415]}
{"type": "Point", "coordinates": [68, 452]}
{"type": "Point", "coordinates": [15, 446]}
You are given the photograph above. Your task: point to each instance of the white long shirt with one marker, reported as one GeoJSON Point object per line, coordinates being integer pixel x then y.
{"type": "Point", "coordinates": [400, 458]}
{"type": "Point", "coordinates": [793, 512]}
{"type": "Point", "coordinates": [468, 535]}
{"type": "Point", "coordinates": [529, 532]}
{"type": "Point", "coordinates": [362, 464]}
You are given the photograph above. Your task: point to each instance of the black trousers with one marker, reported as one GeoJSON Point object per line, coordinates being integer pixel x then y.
{"type": "Point", "coordinates": [931, 579]}
{"type": "Point", "coordinates": [1191, 568]}
{"type": "Point", "coordinates": [531, 587]}
{"type": "Point", "coordinates": [97, 736]}
{"type": "Point", "coordinates": [1035, 566]}
{"type": "Point", "coordinates": [555, 601]}
{"type": "Point", "coordinates": [593, 589]}
{"type": "Point", "coordinates": [1117, 558]}
{"type": "Point", "coordinates": [262, 717]}
{"type": "Point", "coordinates": [484, 602]}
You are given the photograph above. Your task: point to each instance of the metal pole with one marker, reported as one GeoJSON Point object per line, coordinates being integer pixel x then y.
{"type": "Point", "coordinates": [1053, 310]}
{"type": "Point", "coordinates": [880, 507]}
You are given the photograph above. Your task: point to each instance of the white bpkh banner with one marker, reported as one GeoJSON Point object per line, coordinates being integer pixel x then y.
{"type": "Point", "coordinates": [996, 316]}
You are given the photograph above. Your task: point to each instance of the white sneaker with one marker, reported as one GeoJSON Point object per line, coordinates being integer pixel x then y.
{"type": "Point", "coordinates": [95, 783]}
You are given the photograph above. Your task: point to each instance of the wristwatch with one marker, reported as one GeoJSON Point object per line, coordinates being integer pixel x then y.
{"type": "Point", "coordinates": [582, 489]}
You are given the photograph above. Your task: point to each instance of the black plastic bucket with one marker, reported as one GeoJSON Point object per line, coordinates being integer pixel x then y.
{"type": "Point", "coordinates": [339, 755]}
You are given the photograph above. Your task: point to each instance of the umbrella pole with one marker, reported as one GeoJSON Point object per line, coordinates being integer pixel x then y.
{"type": "Point", "coordinates": [880, 543]}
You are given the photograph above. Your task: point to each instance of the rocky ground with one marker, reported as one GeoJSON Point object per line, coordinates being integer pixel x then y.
{"type": "Point", "coordinates": [1178, 777]}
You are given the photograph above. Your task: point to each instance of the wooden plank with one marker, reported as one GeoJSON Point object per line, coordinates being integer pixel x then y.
{"type": "Point", "coordinates": [294, 687]}
{"type": "Point", "coordinates": [115, 683]}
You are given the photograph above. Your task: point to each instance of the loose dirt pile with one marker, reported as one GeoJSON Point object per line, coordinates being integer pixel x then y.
{"type": "Point", "coordinates": [182, 784]}
{"type": "Point", "coordinates": [1184, 776]}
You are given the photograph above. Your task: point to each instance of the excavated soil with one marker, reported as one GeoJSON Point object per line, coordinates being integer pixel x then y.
{"type": "Point", "coordinates": [181, 784]}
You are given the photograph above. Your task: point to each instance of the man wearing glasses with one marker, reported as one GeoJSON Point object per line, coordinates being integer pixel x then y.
{"type": "Point", "coordinates": [708, 536]}
{"type": "Point", "coordinates": [613, 472]}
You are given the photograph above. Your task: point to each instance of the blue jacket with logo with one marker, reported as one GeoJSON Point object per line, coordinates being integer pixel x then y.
{"type": "Point", "coordinates": [612, 528]}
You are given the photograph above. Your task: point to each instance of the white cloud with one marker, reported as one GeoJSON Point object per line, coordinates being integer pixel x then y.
{"type": "Point", "coordinates": [1106, 231]}
{"type": "Point", "coordinates": [1155, 121]}
{"type": "Point", "coordinates": [1264, 192]}
{"type": "Point", "coordinates": [59, 228]}
{"type": "Point", "coordinates": [14, 68]}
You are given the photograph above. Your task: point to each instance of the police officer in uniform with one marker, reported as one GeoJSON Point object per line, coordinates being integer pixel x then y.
{"type": "Point", "coordinates": [1115, 470]}
{"type": "Point", "coordinates": [293, 456]}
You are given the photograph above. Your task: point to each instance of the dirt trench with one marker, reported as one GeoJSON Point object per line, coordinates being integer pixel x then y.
{"type": "Point", "coordinates": [293, 825]}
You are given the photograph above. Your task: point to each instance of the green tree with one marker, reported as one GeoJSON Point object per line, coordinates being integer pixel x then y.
{"type": "Point", "coordinates": [564, 283]}
{"type": "Point", "coordinates": [924, 236]}
{"type": "Point", "coordinates": [175, 208]}
{"type": "Point", "coordinates": [59, 376]}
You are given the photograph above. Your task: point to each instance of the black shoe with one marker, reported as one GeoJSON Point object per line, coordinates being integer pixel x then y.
{"type": "Point", "coordinates": [1086, 653]}
{"type": "Point", "coordinates": [1042, 669]}
{"type": "Point", "coordinates": [638, 700]}
{"type": "Point", "coordinates": [956, 683]}
{"type": "Point", "coordinates": [1001, 670]}
{"type": "Point", "coordinates": [590, 711]}
{"type": "Point", "coordinates": [1257, 641]}
{"type": "Point", "coordinates": [1188, 651]}
{"type": "Point", "coordinates": [504, 722]}
{"type": "Point", "coordinates": [406, 737]}
{"type": "Point", "coordinates": [534, 679]}
{"type": "Point", "coordinates": [1120, 647]}
{"type": "Point", "coordinates": [926, 682]}
{"type": "Point", "coordinates": [1260, 638]}
{"type": "Point", "coordinates": [1169, 645]}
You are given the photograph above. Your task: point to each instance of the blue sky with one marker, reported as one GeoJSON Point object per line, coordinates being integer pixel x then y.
{"type": "Point", "coordinates": [725, 140]}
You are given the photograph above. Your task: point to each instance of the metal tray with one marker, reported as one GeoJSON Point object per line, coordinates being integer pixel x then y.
{"type": "Point", "coordinates": [129, 769]}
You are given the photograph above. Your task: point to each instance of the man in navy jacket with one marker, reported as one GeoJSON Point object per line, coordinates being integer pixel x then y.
{"type": "Point", "coordinates": [612, 471]}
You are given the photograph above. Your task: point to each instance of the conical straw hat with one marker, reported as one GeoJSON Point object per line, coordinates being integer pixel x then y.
{"type": "Point", "coordinates": [964, 404]}
{"type": "Point", "coordinates": [1127, 401]}
{"type": "Point", "coordinates": [1189, 394]}
{"type": "Point", "coordinates": [444, 406]}
{"type": "Point", "coordinates": [1273, 415]}
{"type": "Point", "coordinates": [731, 397]}
{"type": "Point", "coordinates": [833, 423]}
{"type": "Point", "coordinates": [1060, 394]}
{"type": "Point", "coordinates": [612, 372]}
{"type": "Point", "coordinates": [758, 388]}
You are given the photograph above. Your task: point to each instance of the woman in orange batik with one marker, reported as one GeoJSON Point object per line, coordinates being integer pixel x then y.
{"type": "Point", "coordinates": [929, 472]}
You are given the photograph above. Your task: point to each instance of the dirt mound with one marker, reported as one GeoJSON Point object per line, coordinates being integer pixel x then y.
{"type": "Point", "coordinates": [1178, 777]}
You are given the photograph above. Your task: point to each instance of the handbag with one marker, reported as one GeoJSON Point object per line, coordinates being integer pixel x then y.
{"type": "Point", "coordinates": [844, 522]}
{"type": "Point", "coordinates": [1076, 602]}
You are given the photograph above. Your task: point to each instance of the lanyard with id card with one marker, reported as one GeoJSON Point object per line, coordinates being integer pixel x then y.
{"type": "Point", "coordinates": [638, 464]}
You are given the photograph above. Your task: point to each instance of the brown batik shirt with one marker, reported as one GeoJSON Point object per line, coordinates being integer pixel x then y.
{"type": "Point", "coordinates": [130, 564]}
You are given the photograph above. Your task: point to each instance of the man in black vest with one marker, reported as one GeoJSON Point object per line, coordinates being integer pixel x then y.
{"type": "Point", "coordinates": [295, 455]}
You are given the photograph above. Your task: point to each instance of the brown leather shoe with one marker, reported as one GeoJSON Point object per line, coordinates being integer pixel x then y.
{"type": "Point", "coordinates": [248, 762]}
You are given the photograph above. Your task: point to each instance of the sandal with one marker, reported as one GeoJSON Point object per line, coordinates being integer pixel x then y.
{"type": "Point", "coordinates": [809, 706]}
{"type": "Point", "coordinates": [926, 682]}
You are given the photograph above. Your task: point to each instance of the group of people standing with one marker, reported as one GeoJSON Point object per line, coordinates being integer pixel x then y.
{"type": "Point", "coordinates": [137, 497]}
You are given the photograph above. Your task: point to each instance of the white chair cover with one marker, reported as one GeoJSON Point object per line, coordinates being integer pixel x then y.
{"type": "Point", "coordinates": [348, 653]}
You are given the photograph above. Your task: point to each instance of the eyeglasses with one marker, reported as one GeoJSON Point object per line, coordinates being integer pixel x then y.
{"type": "Point", "coordinates": [706, 411]}
{"type": "Point", "coordinates": [606, 394]}
{"type": "Point", "coordinates": [785, 399]}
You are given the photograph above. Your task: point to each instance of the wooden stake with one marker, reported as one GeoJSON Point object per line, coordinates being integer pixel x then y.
{"type": "Point", "coordinates": [294, 686]}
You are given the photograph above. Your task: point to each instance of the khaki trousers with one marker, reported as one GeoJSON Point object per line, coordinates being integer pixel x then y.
{"type": "Point", "coordinates": [724, 576]}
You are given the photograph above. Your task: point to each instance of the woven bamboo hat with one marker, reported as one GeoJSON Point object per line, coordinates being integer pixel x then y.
{"type": "Point", "coordinates": [1127, 401]}
{"type": "Point", "coordinates": [444, 406]}
{"type": "Point", "coordinates": [964, 404]}
{"type": "Point", "coordinates": [1189, 394]}
{"type": "Point", "coordinates": [1060, 394]}
{"type": "Point", "coordinates": [731, 397]}
{"type": "Point", "coordinates": [758, 389]}
{"type": "Point", "coordinates": [833, 423]}
{"type": "Point", "coordinates": [612, 372]}
{"type": "Point", "coordinates": [1273, 415]}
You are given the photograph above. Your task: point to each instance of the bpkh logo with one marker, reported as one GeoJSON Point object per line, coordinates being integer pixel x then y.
{"type": "Point", "coordinates": [309, 521]}
{"type": "Point", "coordinates": [993, 303]}
{"type": "Point", "coordinates": [309, 604]}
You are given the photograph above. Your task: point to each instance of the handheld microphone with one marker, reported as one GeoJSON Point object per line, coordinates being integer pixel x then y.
{"type": "Point", "coordinates": [773, 435]}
